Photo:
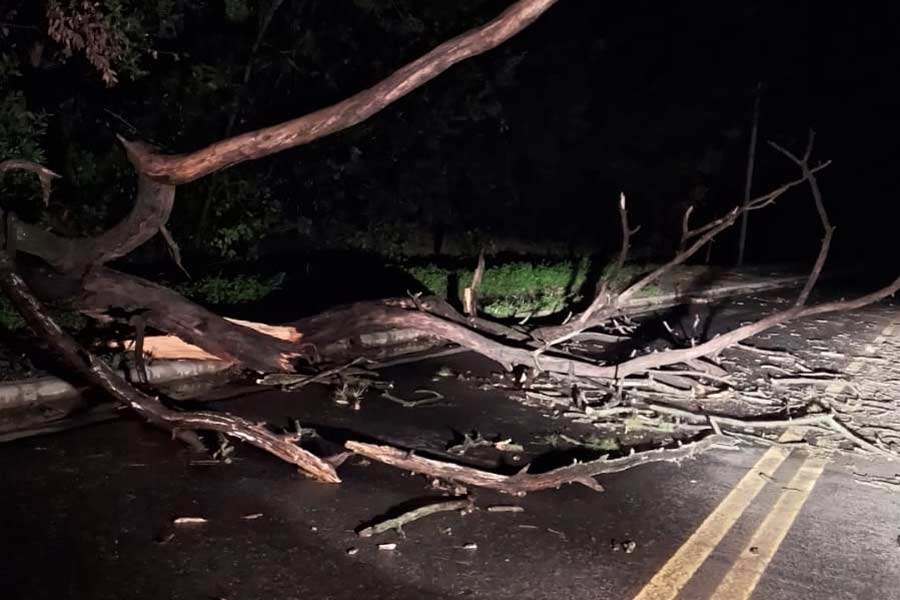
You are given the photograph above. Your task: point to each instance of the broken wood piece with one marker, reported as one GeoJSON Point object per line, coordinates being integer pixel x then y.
{"type": "Point", "coordinates": [190, 521]}
{"type": "Point", "coordinates": [505, 508]}
{"type": "Point", "coordinates": [172, 347]}
{"type": "Point", "coordinates": [470, 293]}
{"type": "Point", "coordinates": [460, 504]}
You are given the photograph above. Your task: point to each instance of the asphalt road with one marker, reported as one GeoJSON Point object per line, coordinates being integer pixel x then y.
{"type": "Point", "coordinates": [90, 513]}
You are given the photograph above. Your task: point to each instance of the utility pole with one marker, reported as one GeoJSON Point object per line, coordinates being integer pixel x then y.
{"type": "Point", "coordinates": [742, 242]}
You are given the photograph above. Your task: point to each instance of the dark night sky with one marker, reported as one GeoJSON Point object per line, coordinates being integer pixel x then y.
{"type": "Point", "coordinates": [610, 94]}
{"type": "Point", "coordinates": [830, 67]}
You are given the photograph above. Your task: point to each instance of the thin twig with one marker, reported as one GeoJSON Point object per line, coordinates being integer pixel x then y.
{"type": "Point", "coordinates": [820, 209]}
{"type": "Point", "coordinates": [460, 504]}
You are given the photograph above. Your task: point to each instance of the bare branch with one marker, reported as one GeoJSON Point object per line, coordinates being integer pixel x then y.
{"type": "Point", "coordinates": [685, 227]}
{"type": "Point", "coordinates": [820, 208]}
{"type": "Point", "coordinates": [455, 504]}
{"type": "Point", "coordinates": [669, 357]}
{"type": "Point", "coordinates": [151, 210]}
{"type": "Point", "coordinates": [173, 247]}
{"type": "Point", "coordinates": [524, 482]}
{"type": "Point", "coordinates": [470, 293]}
{"type": "Point", "coordinates": [351, 111]}
{"type": "Point", "coordinates": [707, 232]}
{"type": "Point", "coordinates": [603, 296]}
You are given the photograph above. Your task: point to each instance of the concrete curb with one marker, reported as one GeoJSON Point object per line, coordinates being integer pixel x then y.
{"type": "Point", "coordinates": [27, 392]}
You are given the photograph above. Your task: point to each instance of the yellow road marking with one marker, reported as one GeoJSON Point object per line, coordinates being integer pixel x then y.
{"type": "Point", "coordinates": [669, 580]}
{"type": "Point", "coordinates": [744, 575]}
{"type": "Point", "coordinates": [740, 582]}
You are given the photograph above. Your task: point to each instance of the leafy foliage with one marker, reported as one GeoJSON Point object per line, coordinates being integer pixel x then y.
{"type": "Point", "coordinates": [110, 34]}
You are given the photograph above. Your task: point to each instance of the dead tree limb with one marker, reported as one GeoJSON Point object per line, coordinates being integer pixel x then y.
{"type": "Point", "coordinates": [455, 504]}
{"type": "Point", "coordinates": [603, 295]}
{"type": "Point", "coordinates": [172, 169]}
{"type": "Point", "coordinates": [150, 408]}
{"type": "Point", "coordinates": [803, 163]}
{"type": "Point", "coordinates": [717, 344]}
{"type": "Point", "coordinates": [102, 289]}
{"type": "Point", "coordinates": [700, 236]}
{"type": "Point", "coordinates": [151, 210]}
{"type": "Point", "coordinates": [828, 420]}
{"type": "Point", "coordinates": [524, 482]}
{"type": "Point", "coordinates": [80, 282]}
{"type": "Point", "coordinates": [470, 293]}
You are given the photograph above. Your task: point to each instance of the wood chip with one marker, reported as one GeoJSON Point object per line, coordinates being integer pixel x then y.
{"type": "Point", "coordinates": [505, 508]}
{"type": "Point", "coordinates": [190, 521]}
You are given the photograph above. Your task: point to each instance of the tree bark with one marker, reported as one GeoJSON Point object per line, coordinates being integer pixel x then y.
{"type": "Point", "coordinates": [152, 208]}
{"type": "Point", "coordinates": [103, 289]}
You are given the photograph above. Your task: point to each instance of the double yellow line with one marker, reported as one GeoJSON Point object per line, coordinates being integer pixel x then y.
{"type": "Point", "coordinates": [745, 573]}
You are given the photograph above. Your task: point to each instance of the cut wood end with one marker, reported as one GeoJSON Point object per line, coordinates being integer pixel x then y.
{"type": "Point", "coordinates": [282, 332]}
{"type": "Point", "coordinates": [168, 347]}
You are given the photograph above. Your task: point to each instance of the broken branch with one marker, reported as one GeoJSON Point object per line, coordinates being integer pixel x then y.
{"type": "Point", "coordinates": [178, 169]}
{"type": "Point", "coordinates": [524, 482]}
{"type": "Point", "coordinates": [461, 504]}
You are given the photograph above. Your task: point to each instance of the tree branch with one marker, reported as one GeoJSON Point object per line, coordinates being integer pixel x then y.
{"type": "Point", "coordinates": [102, 375]}
{"type": "Point", "coordinates": [524, 482]}
{"type": "Point", "coordinates": [177, 169]}
{"type": "Point", "coordinates": [703, 234]}
{"type": "Point", "coordinates": [151, 210]}
{"type": "Point", "coordinates": [820, 209]}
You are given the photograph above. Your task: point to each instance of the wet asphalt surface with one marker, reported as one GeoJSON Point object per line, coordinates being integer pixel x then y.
{"type": "Point", "coordinates": [89, 513]}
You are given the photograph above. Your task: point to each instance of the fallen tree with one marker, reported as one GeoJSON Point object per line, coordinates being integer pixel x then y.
{"type": "Point", "coordinates": [38, 265]}
{"type": "Point", "coordinates": [71, 272]}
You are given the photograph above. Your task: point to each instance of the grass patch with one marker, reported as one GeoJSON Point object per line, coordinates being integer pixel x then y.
{"type": "Point", "coordinates": [520, 288]}
{"type": "Point", "coordinates": [237, 289]}
{"type": "Point", "coordinates": [511, 289]}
